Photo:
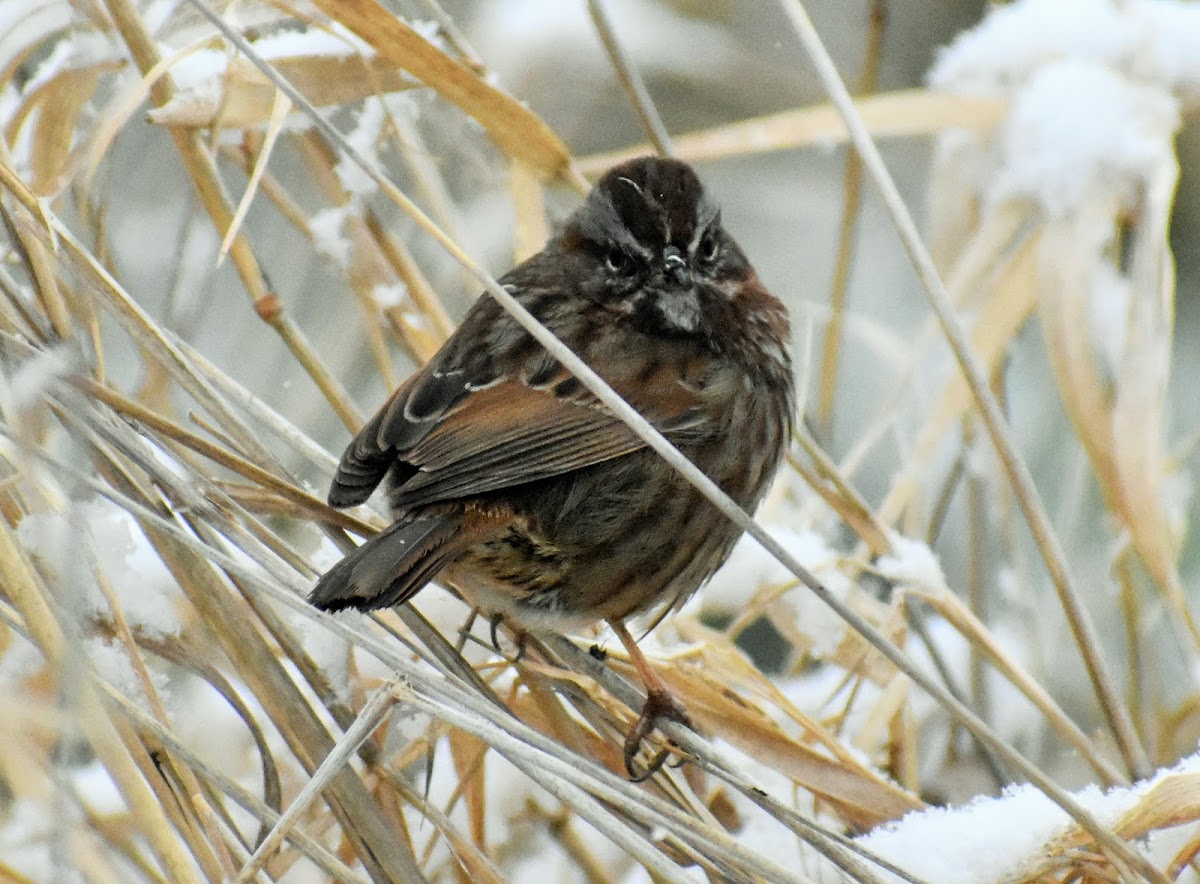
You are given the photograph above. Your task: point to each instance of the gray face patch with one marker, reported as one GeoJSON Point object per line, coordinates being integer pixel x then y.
{"type": "Point", "coordinates": [680, 308]}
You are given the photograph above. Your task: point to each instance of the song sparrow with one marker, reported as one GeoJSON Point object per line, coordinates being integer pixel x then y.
{"type": "Point", "coordinates": [509, 481]}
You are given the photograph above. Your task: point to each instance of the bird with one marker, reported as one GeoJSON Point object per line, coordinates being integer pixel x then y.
{"type": "Point", "coordinates": [509, 481]}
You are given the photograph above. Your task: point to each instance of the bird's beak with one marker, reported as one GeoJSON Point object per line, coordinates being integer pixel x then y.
{"type": "Point", "coordinates": [675, 264]}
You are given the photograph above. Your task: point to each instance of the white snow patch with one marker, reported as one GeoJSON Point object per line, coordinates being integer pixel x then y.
{"type": "Point", "coordinates": [148, 595]}
{"type": "Point", "coordinates": [1172, 54]}
{"type": "Point", "coordinates": [30, 382]}
{"type": "Point", "coordinates": [334, 40]}
{"type": "Point", "coordinates": [1108, 313]}
{"type": "Point", "coordinates": [1078, 126]}
{"type": "Point", "coordinates": [1095, 90]}
{"type": "Point", "coordinates": [23, 840]}
{"type": "Point", "coordinates": [19, 661]}
{"type": "Point", "coordinates": [111, 662]}
{"type": "Point", "coordinates": [1018, 38]}
{"type": "Point", "coordinates": [431, 31]}
{"type": "Point", "coordinates": [328, 231]}
{"type": "Point", "coordinates": [327, 649]}
{"type": "Point", "coordinates": [751, 568]}
{"type": "Point", "coordinates": [402, 105]}
{"type": "Point", "coordinates": [364, 138]}
{"type": "Point", "coordinates": [417, 321]}
{"type": "Point", "coordinates": [391, 295]}
{"type": "Point", "coordinates": [912, 565]}
{"type": "Point", "coordinates": [96, 787]}
{"type": "Point", "coordinates": [84, 49]}
{"type": "Point", "coordinates": [1150, 40]}
{"type": "Point", "coordinates": [197, 76]}
{"type": "Point", "coordinates": [990, 838]}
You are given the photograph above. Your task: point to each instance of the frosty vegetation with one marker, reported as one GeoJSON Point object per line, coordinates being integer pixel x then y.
{"type": "Point", "coordinates": [203, 290]}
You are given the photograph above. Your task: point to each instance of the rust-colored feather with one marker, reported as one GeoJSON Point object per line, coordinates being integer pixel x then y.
{"type": "Point", "coordinates": [509, 477]}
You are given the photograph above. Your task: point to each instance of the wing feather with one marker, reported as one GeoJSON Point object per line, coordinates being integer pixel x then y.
{"type": "Point", "coordinates": [509, 435]}
{"type": "Point", "coordinates": [451, 432]}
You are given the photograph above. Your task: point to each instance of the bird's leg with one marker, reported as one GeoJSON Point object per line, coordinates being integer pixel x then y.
{"type": "Point", "coordinates": [660, 703]}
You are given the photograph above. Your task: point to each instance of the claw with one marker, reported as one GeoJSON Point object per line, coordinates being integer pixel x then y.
{"type": "Point", "coordinates": [656, 764]}
{"type": "Point", "coordinates": [519, 640]}
{"type": "Point", "coordinates": [520, 655]}
{"type": "Point", "coordinates": [659, 705]}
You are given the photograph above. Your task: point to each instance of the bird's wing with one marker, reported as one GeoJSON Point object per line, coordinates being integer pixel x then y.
{"type": "Point", "coordinates": [455, 437]}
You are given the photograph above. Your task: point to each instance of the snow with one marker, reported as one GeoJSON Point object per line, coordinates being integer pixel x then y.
{"type": "Point", "coordinates": [431, 31]}
{"type": "Point", "coordinates": [1016, 39]}
{"type": "Point", "coordinates": [84, 49]}
{"type": "Point", "coordinates": [1171, 53]}
{"type": "Point", "coordinates": [1095, 88]}
{"type": "Point", "coordinates": [1078, 125]}
{"type": "Point", "coordinates": [333, 40]}
{"type": "Point", "coordinates": [205, 720]}
{"type": "Point", "coordinates": [28, 385]}
{"type": "Point", "coordinates": [365, 139]}
{"type": "Point", "coordinates": [989, 839]}
{"type": "Point", "coordinates": [111, 662]}
{"type": "Point", "coordinates": [27, 24]}
{"type": "Point", "coordinates": [96, 787]}
{"type": "Point", "coordinates": [328, 231]}
{"type": "Point", "coordinates": [416, 321]}
{"type": "Point", "coordinates": [328, 650]}
{"type": "Point", "coordinates": [1151, 40]}
{"type": "Point", "coordinates": [751, 570]}
{"type": "Point", "coordinates": [983, 841]}
{"type": "Point", "coordinates": [148, 595]}
{"type": "Point", "coordinates": [197, 76]}
{"type": "Point", "coordinates": [23, 839]}
{"type": "Point", "coordinates": [22, 27]}
{"type": "Point", "coordinates": [912, 565]}
{"type": "Point", "coordinates": [21, 660]}
{"type": "Point", "coordinates": [1108, 316]}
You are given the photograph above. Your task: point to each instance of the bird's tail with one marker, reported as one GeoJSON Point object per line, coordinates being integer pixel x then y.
{"type": "Point", "coordinates": [389, 568]}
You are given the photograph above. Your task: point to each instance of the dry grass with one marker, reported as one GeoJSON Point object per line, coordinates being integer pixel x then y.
{"type": "Point", "coordinates": [246, 736]}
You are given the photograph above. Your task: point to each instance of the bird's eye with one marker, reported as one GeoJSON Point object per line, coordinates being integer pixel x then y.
{"type": "Point", "coordinates": [618, 262]}
{"type": "Point", "coordinates": [710, 246]}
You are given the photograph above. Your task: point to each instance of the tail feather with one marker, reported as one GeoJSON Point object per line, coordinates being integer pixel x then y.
{"type": "Point", "coordinates": [391, 567]}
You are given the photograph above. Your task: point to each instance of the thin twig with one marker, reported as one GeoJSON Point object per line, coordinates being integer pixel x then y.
{"type": "Point", "coordinates": [316, 852]}
{"type": "Point", "coordinates": [369, 718]}
{"type": "Point", "coordinates": [1014, 465]}
{"type": "Point", "coordinates": [713, 493]}
{"type": "Point", "coordinates": [452, 693]}
{"type": "Point", "coordinates": [630, 79]}
{"type": "Point", "coordinates": [831, 347]}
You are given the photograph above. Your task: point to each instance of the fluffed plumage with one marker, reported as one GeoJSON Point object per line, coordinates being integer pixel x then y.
{"type": "Point", "coordinates": [506, 475]}
{"type": "Point", "coordinates": [510, 482]}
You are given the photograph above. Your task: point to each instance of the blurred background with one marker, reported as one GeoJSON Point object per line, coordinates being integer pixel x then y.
{"type": "Point", "coordinates": [1110, 440]}
{"type": "Point", "coordinates": [706, 64]}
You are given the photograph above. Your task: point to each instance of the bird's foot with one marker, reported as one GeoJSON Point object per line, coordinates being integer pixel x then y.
{"type": "Point", "coordinates": [518, 635]}
{"type": "Point", "coordinates": [659, 705]}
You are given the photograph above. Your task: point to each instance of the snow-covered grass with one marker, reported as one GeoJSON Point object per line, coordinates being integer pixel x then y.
{"type": "Point", "coordinates": [169, 421]}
